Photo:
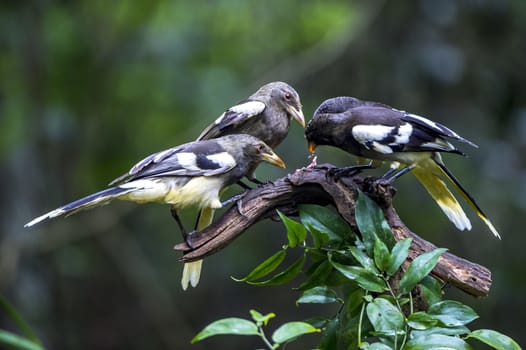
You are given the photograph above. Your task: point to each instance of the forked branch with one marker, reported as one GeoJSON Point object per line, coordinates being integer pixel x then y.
{"type": "Point", "coordinates": [315, 186]}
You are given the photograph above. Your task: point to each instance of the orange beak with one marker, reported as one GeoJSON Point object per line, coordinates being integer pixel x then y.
{"type": "Point", "coordinates": [312, 147]}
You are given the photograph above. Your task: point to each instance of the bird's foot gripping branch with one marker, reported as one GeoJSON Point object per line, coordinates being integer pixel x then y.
{"type": "Point", "coordinates": [389, 286]}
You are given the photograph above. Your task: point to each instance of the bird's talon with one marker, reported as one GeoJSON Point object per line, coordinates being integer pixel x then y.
{"type": "Point", "coordinates": [233, 199]}
{"type": "Point", "coordinates": [382, 182]}
{"type": "Point", "coordinates": [239, 205]}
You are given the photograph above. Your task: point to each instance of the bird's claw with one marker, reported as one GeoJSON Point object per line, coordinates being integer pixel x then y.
{"type": "Point", "coordinates": [188, 239]}
{"type": "Point", "coordinates": [239, 205]}
{"type": "Point", "coordinates": [338, 173]}
{"type": "Point", "coordinates": [382, 182]}
{"type": "Point", "coordinates": [233, 199]}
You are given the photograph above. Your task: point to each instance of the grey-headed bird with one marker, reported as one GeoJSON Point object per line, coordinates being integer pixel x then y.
{"type": "Point", "coordinates": [192, 174]}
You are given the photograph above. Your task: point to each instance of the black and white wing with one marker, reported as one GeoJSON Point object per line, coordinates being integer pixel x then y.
{"type": "Point", "coordinates": [203, 158]}
{"type": "Point", "coordinates": [232, 118]}
{"type": "Point", "coordinates": [386, 130]}
{"type": "Point", "coordinates": [436, 128]}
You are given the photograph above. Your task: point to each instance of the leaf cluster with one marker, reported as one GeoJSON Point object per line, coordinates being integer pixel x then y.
{"type": "Point", "coordinates": [374, 282]}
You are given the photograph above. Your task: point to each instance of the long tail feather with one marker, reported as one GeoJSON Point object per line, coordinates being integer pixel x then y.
{"type": "Point", "coordinates": [93, 200]}
{"type": "Point", "coordinates": [192, 270]}
{"type": "Point", "coordinates": [469, 199]}
{"type": "Point", "coordinates": [427, 172]}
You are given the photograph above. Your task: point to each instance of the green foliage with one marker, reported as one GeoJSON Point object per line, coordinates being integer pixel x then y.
{"type": "Point", "coordinates": [369, 279]}
{"type": "Point", "coordinates": [238, 326]}
{"type": "Point", "coordinates": [13, 341]}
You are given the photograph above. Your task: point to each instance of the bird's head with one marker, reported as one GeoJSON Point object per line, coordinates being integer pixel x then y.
{"type": "Point", "coordinates": [284, 97]}
{"type": "Point", "coordinates": [338, 105]}
{"type": "Point", "coordinates": [252, 150]}
{"type": "Point", "coordinates": [316, 133]}
{"type": "Point", "coordinates": [325, 127]}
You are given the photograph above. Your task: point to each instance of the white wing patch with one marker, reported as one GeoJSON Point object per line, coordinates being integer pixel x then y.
{"type": "Point", "coordinates": [426, 121]}
{"type": "Point", "coordinates": [187, 160]}
{"type": "Point", "coordinates": [370, 133]}
{"type": "Point", "coordinates": [218, 120]}
{"type": "Point", "coordinates": [403, 135]}
{"type": "Point", "coordinates": [249, 107]}
{"type": "Point", "coordinates": [223, 159]}
{"type": "Point", "coordinates": [380, 138]}
{"type": "Point", "coordinates": [378, 147]}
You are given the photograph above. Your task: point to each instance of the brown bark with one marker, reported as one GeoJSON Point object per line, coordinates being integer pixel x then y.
{"type": "Point", "coordinates": [314, 186]}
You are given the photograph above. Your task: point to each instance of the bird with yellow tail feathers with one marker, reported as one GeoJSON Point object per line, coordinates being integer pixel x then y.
{"type": "Point", "coordinates": [377, 132]}
{"type": "Point", "coordinates": [192, 174]}
{"type": "Point", "coordinates": [266, 114]}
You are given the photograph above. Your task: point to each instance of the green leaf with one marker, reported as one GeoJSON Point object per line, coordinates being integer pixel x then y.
{"type": "Point", "coordinates": [13, 341]}
{"type": "Point", "coordinates": [376, 346]}
{"type": "Point", "coordinates": [440, 330]}
{"type": "Point", "coordinates": [365, 278]}
{"type": "Point", "coordinates": [364, 260]}
{"type": "Point", "coordinates": [437, 341]}
{"type": "Point", "coordinates": [318, 238]}
{"type": "Point", "coordinates": [232, 325]}
{"type": "Point", "coordinates": [318, 277]}
{"type": "Point", "coordinates": [431, 290]}
{"type": "Point", "coordinates": [494, 339]}
{"type": "Point", "coordinates": [319, 295]}
{"type": "Point", "coordinates": [371, 222]}
{"type": "Point", "coordinates": [384, 316]}
{"type": "Point", "coordinates": [418, 269]}
{"type": "Point", "coordinates": [421, 320]}
{"type": "Point", "coordinates": [318, 322]}
{"type": "Point", "coordinates": [284, 276]}
{"type": "Point", "coordinates": [260, 318]}
{"type": "Point", "coordinates": [292, 330]}
{"type": "Point", "coordinates": [382, 258]}
{"type": "Point", "coordinates": [398, 255]}
{"type": "Point", "coordinates": [452, 313]}
{"type": "Point", "coordinates": [13, 314]}
{"type": "Point", "coordinates": [264, 268]}
{"type": "Point", "coordinates": [355, 300]}
{"type": "Point", "coordinates": [325, 221]}
{"type": "Point", "coordinates": [330, 335]}
{"type": "Point", "coordinates": [296, 233]}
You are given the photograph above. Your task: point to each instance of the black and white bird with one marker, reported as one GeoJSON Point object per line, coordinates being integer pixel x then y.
{"type": "Point", "coordinates": [266, 115]}
{"type": "Point", "coordinates": [376, 132]}
{"type": "Point", "coordinates": [192, 174]}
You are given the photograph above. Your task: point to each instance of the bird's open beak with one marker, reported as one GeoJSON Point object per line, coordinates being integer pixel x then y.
{"type": "Point", "coordinates": [297, 115]}
{"type": "Point", "coordinates": [312, 147]}
{"type": "Point", "coordinates": [273, 159]}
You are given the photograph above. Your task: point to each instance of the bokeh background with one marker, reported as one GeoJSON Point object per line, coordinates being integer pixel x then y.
{"type": "Point", "coordinates": [87, 88]}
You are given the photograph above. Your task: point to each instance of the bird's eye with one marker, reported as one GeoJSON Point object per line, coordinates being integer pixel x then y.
{"type": "Point", "coordinates": [260, 148]}
{"type": "Point", "coordinates": [287, 96]}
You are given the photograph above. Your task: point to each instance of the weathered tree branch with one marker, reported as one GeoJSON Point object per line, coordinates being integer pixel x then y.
{"type": "Point", "coordinates": [314, 186]}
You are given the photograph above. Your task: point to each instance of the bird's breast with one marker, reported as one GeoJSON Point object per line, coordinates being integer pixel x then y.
{"type": "Point", "coordinates": [200, 191]}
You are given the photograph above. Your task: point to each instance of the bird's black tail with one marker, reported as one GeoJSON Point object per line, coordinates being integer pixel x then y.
{"type": "Point", "coordinates": [93, 200]}
{"type": "Point", "coordinates": [467, 196]}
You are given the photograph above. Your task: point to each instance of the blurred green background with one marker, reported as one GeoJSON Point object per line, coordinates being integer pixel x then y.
{"type": "Point", "coordinates": [87, 88]}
